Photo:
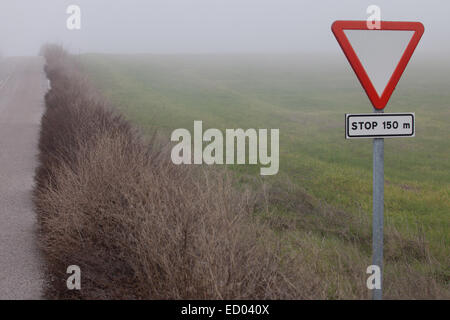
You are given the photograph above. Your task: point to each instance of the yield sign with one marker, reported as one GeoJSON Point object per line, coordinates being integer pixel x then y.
{"type": "Point", "coordinates": [378, 92]}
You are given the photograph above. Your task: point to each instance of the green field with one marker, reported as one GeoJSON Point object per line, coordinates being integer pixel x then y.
{"type": "Point", "coordinates": [306, 98]}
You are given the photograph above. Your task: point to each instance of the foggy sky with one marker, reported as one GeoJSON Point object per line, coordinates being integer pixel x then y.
{"type": "Point", "coordinates": [205, 26]}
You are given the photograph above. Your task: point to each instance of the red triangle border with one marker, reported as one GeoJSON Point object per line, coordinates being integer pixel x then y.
{"type": "Point", "coordinates": [378, 102]}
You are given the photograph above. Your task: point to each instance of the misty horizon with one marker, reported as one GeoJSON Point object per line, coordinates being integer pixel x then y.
{"type": "Point", "coordinates": [204, 26]}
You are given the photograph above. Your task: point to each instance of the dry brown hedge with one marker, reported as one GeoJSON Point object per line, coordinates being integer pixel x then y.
{"type": "Point", "coordinates": [138, 226]}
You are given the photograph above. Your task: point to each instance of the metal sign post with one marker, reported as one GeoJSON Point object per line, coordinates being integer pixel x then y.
{"type": "Point", "coordinates": [378, 125]}
{"type": "Point", "coordinates": [378, 210]}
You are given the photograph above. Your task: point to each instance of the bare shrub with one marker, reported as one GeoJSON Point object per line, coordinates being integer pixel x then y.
{"type": "Point", "coordinates": [137, 225]}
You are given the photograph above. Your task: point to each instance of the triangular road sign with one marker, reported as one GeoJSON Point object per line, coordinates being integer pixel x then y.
{"type": "Point", "coordinates": [379, 101]}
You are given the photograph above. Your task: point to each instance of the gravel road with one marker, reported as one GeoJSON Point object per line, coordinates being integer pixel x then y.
{"type": "Point", "coordinates": [22, 88]}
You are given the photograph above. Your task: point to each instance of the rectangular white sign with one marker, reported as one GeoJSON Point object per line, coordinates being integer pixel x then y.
{"type": "Point", "coordinates": [379, 125]}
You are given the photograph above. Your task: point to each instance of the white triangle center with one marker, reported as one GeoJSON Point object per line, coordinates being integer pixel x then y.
{"type": "Point", "coordinates": [380, 52]}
